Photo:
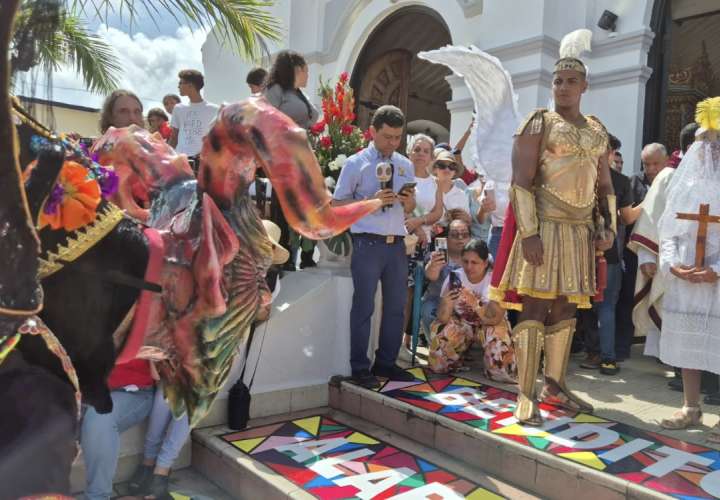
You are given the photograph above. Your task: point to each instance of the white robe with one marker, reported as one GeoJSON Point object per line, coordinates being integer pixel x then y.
{"type": "Point", "coordinates": [691, 311]}
{"type": "Point", "coordinates": [647, 312]}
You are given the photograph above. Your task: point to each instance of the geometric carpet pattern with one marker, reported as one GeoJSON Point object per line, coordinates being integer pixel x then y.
{"type": "Point", "coordinates": [333, 461]}
{"type": "Point", "coordinates": [670, 466]}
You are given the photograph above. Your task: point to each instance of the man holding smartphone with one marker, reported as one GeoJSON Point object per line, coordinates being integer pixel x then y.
{"type": "Point", "coordinates": [378, 245]}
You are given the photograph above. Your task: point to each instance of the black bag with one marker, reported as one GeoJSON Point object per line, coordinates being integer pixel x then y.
{"type": "Point", "coordinates": [239, 395]}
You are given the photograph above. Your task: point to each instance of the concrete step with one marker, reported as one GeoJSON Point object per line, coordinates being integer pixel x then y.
{"type": "Point", "coordinates": [503, 456]}
{"type": "Point", "coordinates": [246, 478]}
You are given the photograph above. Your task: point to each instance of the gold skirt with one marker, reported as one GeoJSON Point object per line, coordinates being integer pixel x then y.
{"type": "Point", "coordinates": [568, 268]}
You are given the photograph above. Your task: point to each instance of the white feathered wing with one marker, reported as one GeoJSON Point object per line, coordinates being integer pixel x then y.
{"type": "Point", "coordinates": [496, 115]}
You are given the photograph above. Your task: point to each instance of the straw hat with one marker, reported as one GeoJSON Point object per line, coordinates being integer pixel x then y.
{"type": "Point", "coordinates": [280, 254]}
{"type": "Point", "coordinates": [445, 156]}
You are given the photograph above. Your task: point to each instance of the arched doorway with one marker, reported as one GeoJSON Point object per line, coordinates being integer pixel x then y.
{"type": "Point", "coordinates": [388, 70]}
{"type": "Point", "coordinates": [685, 58]}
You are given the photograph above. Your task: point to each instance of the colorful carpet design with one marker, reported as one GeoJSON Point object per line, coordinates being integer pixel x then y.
{"type": "Point", "coordinates": [333, 461]}
{"type": "Point", "coordinates": [662, 464]}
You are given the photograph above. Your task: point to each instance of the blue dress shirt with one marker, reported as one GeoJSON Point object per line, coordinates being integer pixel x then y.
{"type": "Point", "coordinates": [358, 181]}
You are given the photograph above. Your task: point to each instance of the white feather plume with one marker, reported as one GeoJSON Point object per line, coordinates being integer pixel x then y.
{"type": "Point", "coordinates": [575, 43]}
{"type": "Point", "coordinates": [496, 115]}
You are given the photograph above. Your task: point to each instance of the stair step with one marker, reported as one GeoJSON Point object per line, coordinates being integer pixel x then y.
{"type": "Point", "coordinates": [453, 415]}
{"type": "Point", "coordinates": [264, 471]}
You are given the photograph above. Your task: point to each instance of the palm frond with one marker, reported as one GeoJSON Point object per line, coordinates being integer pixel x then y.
{"type": "Point", "coordinates": [244, 24]}
{"type": "Point", "coordinates": [91, 56]}
{"type": "Point", "coordinates": [51, 40]}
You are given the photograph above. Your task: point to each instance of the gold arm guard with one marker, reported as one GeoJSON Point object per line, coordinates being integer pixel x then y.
{"type": "Point", "coordinates": [523, 203]}
{"type": "Point", "coordinates": [612, 207]}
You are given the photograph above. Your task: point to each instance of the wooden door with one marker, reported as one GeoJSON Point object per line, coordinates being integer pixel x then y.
{"type": "Point", "coordinates": [385, 81]}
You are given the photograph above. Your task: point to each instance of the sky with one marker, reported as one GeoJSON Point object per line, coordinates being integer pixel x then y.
{"type": "Point", "coordinates": [151, 54]}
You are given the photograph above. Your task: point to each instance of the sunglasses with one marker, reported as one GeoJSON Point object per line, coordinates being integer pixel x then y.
{"type": "Point", "coordinates": [445, 166]}
{"type": "Point", "coordinates": [458, 235]}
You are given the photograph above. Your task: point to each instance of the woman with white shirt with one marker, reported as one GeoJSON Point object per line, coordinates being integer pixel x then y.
{"type": "Point", "coordinates": [428, 205]}
{"type": "Point", "coordinates": [428, 210]}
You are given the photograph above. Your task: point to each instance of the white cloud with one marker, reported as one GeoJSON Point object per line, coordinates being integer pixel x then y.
{"type": "Point", "coordinates": [149, 66]}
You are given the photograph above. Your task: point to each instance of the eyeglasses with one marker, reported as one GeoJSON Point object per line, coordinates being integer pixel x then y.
{"type": "Point", "coordinates": [445, 166]}
{"type": "Point", "coordinates": [458, 235]}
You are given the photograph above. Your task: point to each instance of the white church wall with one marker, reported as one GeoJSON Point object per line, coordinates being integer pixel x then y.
{"type": "Point", "coordinates": [523, 35]}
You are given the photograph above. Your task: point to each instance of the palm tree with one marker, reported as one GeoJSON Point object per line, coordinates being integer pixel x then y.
{"type": "Point", "coordinates": [48, 33]}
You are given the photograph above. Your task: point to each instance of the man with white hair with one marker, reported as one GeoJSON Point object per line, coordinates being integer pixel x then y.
{"type": "Point", "coordinates": [654, 158]}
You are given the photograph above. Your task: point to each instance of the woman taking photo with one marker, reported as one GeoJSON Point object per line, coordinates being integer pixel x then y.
{"type": "Point", "coordinates": [288, 76]}
{"type": "Point", "coordinates": [466, 314]}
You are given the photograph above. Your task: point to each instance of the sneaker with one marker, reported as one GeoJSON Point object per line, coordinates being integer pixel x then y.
{"type": "Point", "coordinates": [159, 487]}
{"type": "Point", "coordinates": [609, 368]}
{"type": "Point", "coordinates": [591, 362]}
{"type": "Point", "coordinates": [393, 372]}
{"type": "Point", "coordinates": [365, 379]}
{"type": "Point", "coordinates": [140, 480]}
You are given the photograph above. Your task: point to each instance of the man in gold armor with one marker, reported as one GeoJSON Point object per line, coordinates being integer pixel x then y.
{"type": "Point", "coordinates": [564, 208]}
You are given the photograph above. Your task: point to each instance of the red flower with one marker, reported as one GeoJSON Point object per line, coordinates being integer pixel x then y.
{"type": "Point", "coordinates": [344, 77]}
{"type": "Point", "coordinates": [318, 128]}
{"type": "Point", "coordinates": [326, 142]}
{"type": "Point", "coordinates": [367, 136]}
{"type": "Point", "coordinates": [347, 129]}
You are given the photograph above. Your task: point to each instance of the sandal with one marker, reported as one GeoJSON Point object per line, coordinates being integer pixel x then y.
{"type": "Point", "coordinates": [714, 434]}
{"type": "Point", "coordinates": [684, 418]}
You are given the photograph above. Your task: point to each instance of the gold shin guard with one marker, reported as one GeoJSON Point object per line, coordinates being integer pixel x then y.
{"type": "Point", "coordinates": [527, 339]}
{"type": "Point", "coordinates": [558, 340]}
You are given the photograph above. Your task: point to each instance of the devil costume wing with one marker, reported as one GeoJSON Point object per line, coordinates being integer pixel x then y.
{"type": "Point", "coordinates": [496, 120]}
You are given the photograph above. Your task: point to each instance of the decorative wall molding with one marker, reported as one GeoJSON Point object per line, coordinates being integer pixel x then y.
{"type": "Point", "coordinates": [626, 41]}
{"type": "Point", "coordinates": [620, 76]}
{"type": "Point", "coordinates": [541, 44]}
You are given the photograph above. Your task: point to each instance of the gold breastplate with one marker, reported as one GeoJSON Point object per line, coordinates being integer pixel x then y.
{"type": "Point", "coordinates": [567, 176]}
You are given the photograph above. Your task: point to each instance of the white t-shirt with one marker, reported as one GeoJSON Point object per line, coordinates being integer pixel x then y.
{"type": "Point", "coordinates": [193, 122]}
{"type": "Point", "coordinates": [425, 194]}
{"type": "Point", "coordinates": [480, 290]}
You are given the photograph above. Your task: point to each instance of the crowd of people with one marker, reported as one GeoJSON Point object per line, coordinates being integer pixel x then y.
{"type": "Point", "coordinates": [439, 233]}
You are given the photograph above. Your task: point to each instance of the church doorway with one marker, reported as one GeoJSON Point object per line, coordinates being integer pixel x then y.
{"type": "Point", "coordinates": [388, 71]}
{"type": "Point", "coordinates": [685, 59]}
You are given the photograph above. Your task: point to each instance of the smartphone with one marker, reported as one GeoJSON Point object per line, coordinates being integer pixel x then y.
{"type": "Point", "coordinates": [441, 245]}
{"type": "Point", "coordinates": [408, 186]}
{"type": "Point", "coordinates": [455, 281]}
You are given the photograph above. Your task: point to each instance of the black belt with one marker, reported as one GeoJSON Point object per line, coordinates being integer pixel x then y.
{"type": "Point", "coordinates": [385, 238]}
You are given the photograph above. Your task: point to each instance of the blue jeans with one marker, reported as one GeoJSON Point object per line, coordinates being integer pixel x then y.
{"type": "Point", "coordinates": [165, 435]}
{"type": "Point", "coordinates": [494, 243]}
{"type": "Point", "coordinates": [375, 261]}
{"type": "Point", "coordinates": [605, 311]}
{"type": "Point", "coordinates": [100, 438]}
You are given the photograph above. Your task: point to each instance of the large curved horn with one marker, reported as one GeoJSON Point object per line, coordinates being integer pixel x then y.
{"type": "Point", "coordinates": [254, 133]}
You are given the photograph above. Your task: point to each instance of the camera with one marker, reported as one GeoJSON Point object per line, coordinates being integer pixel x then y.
{"type": "Point", "coordinates": [455, 281]}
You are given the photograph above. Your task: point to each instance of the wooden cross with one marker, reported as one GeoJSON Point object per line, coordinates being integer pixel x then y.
{"type": "Point", "coordinates": [703, 219]}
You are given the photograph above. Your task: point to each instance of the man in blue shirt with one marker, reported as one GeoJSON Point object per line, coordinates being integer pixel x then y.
{"type": "Point", "coordinates": [378, 246]}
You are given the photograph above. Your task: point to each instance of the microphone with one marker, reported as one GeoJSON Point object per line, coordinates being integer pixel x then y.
{"type": "Point", "coordinates": [384, 174]}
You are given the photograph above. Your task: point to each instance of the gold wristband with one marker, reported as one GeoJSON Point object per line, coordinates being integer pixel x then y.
{"type": "Point", "coordinates": [523, 204]}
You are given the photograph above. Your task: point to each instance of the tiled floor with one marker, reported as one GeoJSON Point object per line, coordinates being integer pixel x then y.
{"type": "Point", "coordinates": [637, 396]}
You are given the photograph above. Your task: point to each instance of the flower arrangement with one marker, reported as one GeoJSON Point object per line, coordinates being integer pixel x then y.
{"type": "Point", "coordinates": [81, 186]}
{"type": "Point", "coordinates": [335, 137]}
